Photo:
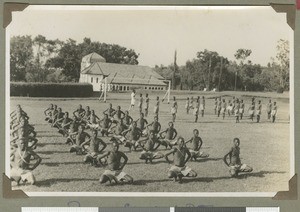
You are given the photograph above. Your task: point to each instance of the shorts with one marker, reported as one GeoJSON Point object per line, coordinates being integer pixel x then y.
{"type": "Point", "coordinates": [155, 110]}
{"type": "Point", "coordinates": [273, 113]}
{"type": "Point", "coordinates": [241, 110]}
{"type": "Point", "coordinates": [258, 112]}
{"type": "Point", "coordinates": [223, 110]}
{"type": "Point", "coordinates": [201, 107]}
{"type": "Point", "coordinates": [196, 111]}
{"type": "Point", "coordinates": [148, 154]}
{"type": "Point", "coordinates": [251, 112]}
{"type": "Point", "coordinates": [20, 173]}
{"type": "Point", "coordinates": [180, 170]}
{"type": "Point", "coordinates": [229, 108]}
{"type": "Point", "coordinates": [198, 153]}
{"type": "Point", "coordinates": [173, 110]}
{"type": "Point", "coordinates": [236, 112]}
{"type": "Point", "coordinates": [119, 174]}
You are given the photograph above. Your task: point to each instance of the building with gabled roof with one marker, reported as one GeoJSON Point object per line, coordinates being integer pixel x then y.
{"type": "Point", "coordinates": [119, 77]}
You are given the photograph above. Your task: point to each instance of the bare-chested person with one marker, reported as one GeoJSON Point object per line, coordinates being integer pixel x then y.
{"type": "Point", "coordinates": [93, 147]}
{"type": "Point", "coordinates": [149, 145]}
{"type": "Point", "coordinates": [132, 136]}
{"type": "Point", "coordinates": [167, 136]}
{"type": "Point", "coordinates": [114, 171]}
{"type": "Point", "coordinates": [235, 165]}
{"type": "Point", "coordinates": [80, 138]}
{"type": "Point", "coordinates": [142, 123]}
{"type": "Point", "coordinates": [196, 146]}
{"type": "Point", "coordinates": [20, 161]}
{"type": "Point", "coordinates": [181, 156]}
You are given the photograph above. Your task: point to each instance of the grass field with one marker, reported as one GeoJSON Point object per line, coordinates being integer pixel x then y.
{"type": "Point", "coordinates": [264, 146]}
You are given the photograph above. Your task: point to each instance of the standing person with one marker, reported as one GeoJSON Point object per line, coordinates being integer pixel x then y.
{"type": "Point", "coordinates": [237, 111]}
{"type": "Point", "coordinates": [233, 104]}
{"type": "Point", "coordinates": [174, 111]}
{"type": "Point", "coordinates": [141, 101]}
{"type": "Point", "coordinates": [114, 165]}
{"type": "Point", "coordinates": [242, 109]}
{"type": "Point", "coordinates": [202, 106]}
{"type": "Point", "coordinates": [274, 112]}
{"type": "Point", "coordinates": [219, 106]}
{"type": "Point", "coordinates": [196, 109]}
{"type": "Point", "coordinates": [223, 108]}
{"type": "Point", "coordinates": [234, 164]}
{"type": "Point", "coordinates": [216, 105]}
{"type": "Point", "coordinates": [181, 156]}
{"type": "Point", "coordinates": [258, 111]}
{"type": "Point", "coordinates": [192, 103]}
{"type": "Point", "coordinates": [132, 102]}
{"type": "Point", "coordinates": [156, 107]}
{"type": "Point", "coordinates": [187, 105]}
{"type": "Point", "coordinates": [146, 105]}
{"type": "Point", "coordinates": [229, 107]}
{"type": "Point", "coordinates": [196, 146]}
{"type": "Point", "coordinates": [251, 110]}
{"type": "Point", "coordinates": [269, 109]}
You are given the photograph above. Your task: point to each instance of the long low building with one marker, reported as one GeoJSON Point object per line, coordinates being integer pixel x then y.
{"type": "Point", "coordinates": [119, 77]}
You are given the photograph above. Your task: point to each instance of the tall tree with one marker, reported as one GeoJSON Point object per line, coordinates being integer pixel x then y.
{"type": "Point", "coordinates": [283, 58]}
{"type": "Point", "coordinates": [21, 55]}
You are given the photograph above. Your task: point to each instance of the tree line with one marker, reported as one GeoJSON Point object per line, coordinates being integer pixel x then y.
{"type": "Point", "coordinates": [42, 60]}
{"type": "Point", "coordinates": [209, 70]}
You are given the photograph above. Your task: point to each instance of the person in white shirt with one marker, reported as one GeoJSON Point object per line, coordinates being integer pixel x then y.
{"type": "Point", "coordinates": [132, 99]}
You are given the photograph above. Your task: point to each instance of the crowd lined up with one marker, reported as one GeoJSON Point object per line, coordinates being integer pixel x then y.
{"type": "Point", "coordinates": [85, 131]}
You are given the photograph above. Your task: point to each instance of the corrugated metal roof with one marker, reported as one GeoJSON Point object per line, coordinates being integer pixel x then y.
{"type": "Point", "coordinates": [125, 74]}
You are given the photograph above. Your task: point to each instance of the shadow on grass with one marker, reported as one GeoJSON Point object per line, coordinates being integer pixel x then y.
{"type": "Point", "coordinates": [207, 159]}
{"type": "Point", "coordinates": [51, 152]}
{"type": "Point", "coordinates": [50, 182]}
{"type": "Point", "coordinates": [55, 164]}
{"type": "Point", "coordinates": [46, 144]}
{"type": "Point", "coordinates": [49, 136]}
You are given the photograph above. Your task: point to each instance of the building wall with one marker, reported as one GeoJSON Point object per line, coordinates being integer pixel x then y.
{"type": "Point", "coordinates": [95, 80]}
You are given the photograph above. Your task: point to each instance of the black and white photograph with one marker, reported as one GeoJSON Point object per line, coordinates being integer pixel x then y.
{"type": "Point", "coordinates": [149, 101]}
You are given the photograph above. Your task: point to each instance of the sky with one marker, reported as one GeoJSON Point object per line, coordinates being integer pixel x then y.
{"type": "Point", "coordinates": [156, 32]}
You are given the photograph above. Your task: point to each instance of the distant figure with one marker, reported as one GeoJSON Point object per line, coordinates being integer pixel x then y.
{"type": "Point", "coordinates": [187, 105]}
{"type": "Point", "coordinates": [216, 105]}
{"type": "Point", "coordinates": [258, 111]}
{"type": "Point", "coordinates": [274, 112]}
{"type": "Point", "coordinates": [141, 101]}
{"type": "Point", "coordinates": [269, 109]}
{"type": "Point", "coordinates": [196, 109]}
{"type": "Point", "coordinates": [219, 106]}
{"type": "Point", "coordinates": [146, 105]}
{"type": "Point", "coordinates": [202, 106]}
{"type": "Point", "coordinates": [223, 108]}
{"type": "Point", "coordinates": [242, 109]}
{"type": "Point", "coordinates": [237, 111]}
{"type": "Point", "coordinates": [174, 109]}
{"type": "Point", "coordinates": [156, 107]}
{"type": "Point", "coordinates": [234, 164]}
{"type": "Point", "coordinates": [251, 110]}
{"type": "Point", "coordinates": [132, 103]}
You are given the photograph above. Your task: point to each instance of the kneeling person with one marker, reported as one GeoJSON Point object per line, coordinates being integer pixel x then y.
{"type": "Point", "coordinates": [149, 148]}
{"type": "Point", "coordinates": [96, 146]}
{"type": "Point", "coordinates": [234, 164]}
{"type": "Point", "coordinates": [181, 156]}
{"type": "Point", "coordinates": [115, 166]}
{"type": "Point", "coordinates": [196, 146]}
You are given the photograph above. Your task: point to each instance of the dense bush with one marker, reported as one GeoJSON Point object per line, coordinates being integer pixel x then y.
{"type": "Point", "coordinates": [51, 89]}
{"type": "Point", "coordinates": [280, 89]}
